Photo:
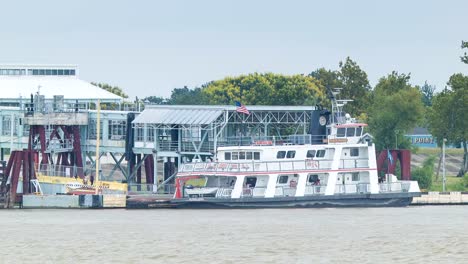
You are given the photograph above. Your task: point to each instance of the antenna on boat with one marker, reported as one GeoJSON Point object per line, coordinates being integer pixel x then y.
{"type": "Point", "coordinates": [337, 114]}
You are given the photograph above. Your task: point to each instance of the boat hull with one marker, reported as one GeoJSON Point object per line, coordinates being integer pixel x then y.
{"type": "Point", "coordinates": [360, 200]}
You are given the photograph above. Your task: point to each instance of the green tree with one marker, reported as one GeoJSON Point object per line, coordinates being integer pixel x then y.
{"type": "Point", "coordinates": [154, 100]}
{"type": "Point", "coordinates": [464, 58]}
{"type": "Point", "coordinates": [355, 86]}
{"type": "Point", "coordinates": [396, 108]}
{"type": "Point", "coordinates": [186, 96]}
{"type": "Point", "coordinates": [427, 92]}
{"type": "Point", "coordinates": [265, 89]}
{"type": "Point", "coordinates": [327, 78]}
{"type": "Point", "coordinates": [354, 82]}
{"type": "Point", "coordinates": [424, 174]}
{"type": "Point", "coordinates": [447, 118]}
{"type": "Point", "coordinates": [113, 89]}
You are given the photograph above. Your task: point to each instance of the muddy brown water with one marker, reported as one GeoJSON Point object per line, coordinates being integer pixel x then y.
{"type": "Point", "coordinates": [426, 234]}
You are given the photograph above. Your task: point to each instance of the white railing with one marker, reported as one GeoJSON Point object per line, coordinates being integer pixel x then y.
{"type": "Point", "coordinates": [285, 191]}
{"type": "Point", "coordinates": [402, 186]}
{"type": "Point", "coordinates": [353, 163]}
{"type": "Point", "coordinates": [352, 188]}
{"type": "Point", "coordinates": [265, 166]}
{"type": "Point", "coordinates": [224, 193]}
{"type": "Point", "coordinates": [253, 192]}
{"type": "Point", "coordinates": [315, 189]}
{"type": "Point", "coordinates": [270, 166]}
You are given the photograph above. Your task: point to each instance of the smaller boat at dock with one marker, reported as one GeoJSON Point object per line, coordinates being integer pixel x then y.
{"type": "Point", "coordinates": [334, 166]}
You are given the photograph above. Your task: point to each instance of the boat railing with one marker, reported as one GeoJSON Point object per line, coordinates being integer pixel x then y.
{"type": "Point", "coordinates": [285, 191]}
{"type": "Point", "coordinates": [315, 190]}
{"type": "Point", "coordinates": [354, 163]}
{"type": "Point", "coordinates": [400, 186]}
{"type": "Point", "coordinates": [164, 143]}
{"type": "Point", "coordinates": [224, 193]}
{"type": "Point", "coordinates": [352, 188]}
{"type": "Point", "coordinates": [254, 166]}
{"type": "Point", "coordinates": [267, 166]}
{"type": "Point", "coordinates": [253, 192]}
{"type": "Point", "coordinates": [272, 140]}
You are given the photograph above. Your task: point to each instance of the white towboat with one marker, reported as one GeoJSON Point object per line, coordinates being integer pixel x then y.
{"type": "Point", "coordinates": [335, 166]}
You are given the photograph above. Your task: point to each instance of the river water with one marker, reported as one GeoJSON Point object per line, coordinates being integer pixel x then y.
{"type": "Point", "coordinates": [424, 234]}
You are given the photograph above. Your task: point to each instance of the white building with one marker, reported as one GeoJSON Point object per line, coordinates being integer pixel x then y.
{"type": "Point", "coordinates": [19, 82]}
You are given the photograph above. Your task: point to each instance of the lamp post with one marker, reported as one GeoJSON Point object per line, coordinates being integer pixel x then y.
{"type": "Point", "coordinates": [396, 138]}
{"type": "Point", "coordinates": [443, 164]}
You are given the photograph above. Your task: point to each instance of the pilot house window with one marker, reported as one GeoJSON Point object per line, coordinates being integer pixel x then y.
{"type": "Point", "coordinates": [358, 131]}
{"type": "Point", "coordinates": [350, 132]}
{"type": "Point", "coordinates": [341, 132]}
{"type": "Point", "coordinates": [311, 153]}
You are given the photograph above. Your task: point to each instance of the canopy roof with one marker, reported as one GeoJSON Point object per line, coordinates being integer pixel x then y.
{"type": "Point", "coordinates": [178, 116]}
{"type": "Point", "coordinates": [15, 87]}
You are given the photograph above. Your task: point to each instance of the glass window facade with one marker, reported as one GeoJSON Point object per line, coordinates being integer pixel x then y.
{"type": "Point", "coordinates": [93, 129]}
{"type": "Point", "coordinates": [6, 125]}
{"type": "Point", "coordinates": [117, 129]}
{"type": "Point", "coordinates": [25, 71]}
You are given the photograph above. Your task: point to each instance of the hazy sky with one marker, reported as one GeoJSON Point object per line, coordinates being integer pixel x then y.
{"type": "Point", "coordinates": [151, 47]}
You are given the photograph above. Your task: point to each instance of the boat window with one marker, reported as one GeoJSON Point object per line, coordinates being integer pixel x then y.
{"type": "Point", "coordinates": [313, 178]}
{"type": "Point", "coordinates": [283, 179]}
{"type": "Point", "coordinates": [242, 155]}
{"type": "Point", "coordinates": [354, 152]}
{"type": "Point", "coordinates": [311, 153]}
{"type": "Point", "coordinates": [350, 131]}
{"type": "Point", "coordinates": [281, 154]}
{"type": "Point", "coordinates": [235, 155]}
{"type": "Point", "coordinates": [256, 155]}
{"type": "Point", "coordinates": [291, 154]}
{"type": "Point", "coordinates": [340, 132]}
{"type": "Point", "coordinates": [227, 155]}
{"type": "Point", "coordinates": [320, 153]}
{"type": "Point", "coordinates": [248, 155]}
{"type": "Point", "coordinates": [358, 131]}
{"type": "Point", "coordinates": [356, 176]}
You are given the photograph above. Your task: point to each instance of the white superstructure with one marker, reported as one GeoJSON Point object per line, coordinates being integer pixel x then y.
{"type": "Point", "coordinates": [340, 161]}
